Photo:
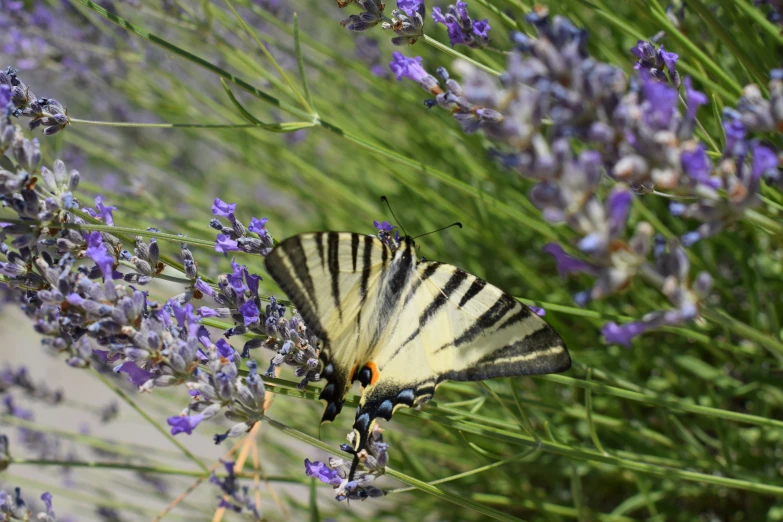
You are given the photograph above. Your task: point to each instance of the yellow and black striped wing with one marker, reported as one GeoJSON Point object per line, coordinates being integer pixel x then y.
{"type": "Point", "coordinates": [452, 325]}
{"type": "Point", "coordinates": [332, 279]}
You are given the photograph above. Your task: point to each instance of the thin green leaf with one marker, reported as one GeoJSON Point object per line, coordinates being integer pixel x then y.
{"type": "Point", "coordinates": [300, 64]}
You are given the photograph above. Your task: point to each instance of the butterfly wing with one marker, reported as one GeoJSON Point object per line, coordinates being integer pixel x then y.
{"type": "Point", "coordinates": [453, 326]}
{"type": "Point", "coordinates": [331, 277]}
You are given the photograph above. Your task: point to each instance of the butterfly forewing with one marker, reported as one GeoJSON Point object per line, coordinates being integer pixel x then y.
{"type": "Point", "coordinates": [330, 277]}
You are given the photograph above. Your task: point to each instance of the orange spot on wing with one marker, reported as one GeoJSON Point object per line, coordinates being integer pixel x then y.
{"type": "Point", "coordinates": [375, 372]}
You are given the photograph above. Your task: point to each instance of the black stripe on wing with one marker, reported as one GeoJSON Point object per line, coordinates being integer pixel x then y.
{"type": "Point", "coordinates": [305, 302]}
{"type": "Point", "coordinates": [540, 352]}
{"type": "Point", "coordinates": [333, 261]}
{"type": "Point", "coordinates": [504, 304]}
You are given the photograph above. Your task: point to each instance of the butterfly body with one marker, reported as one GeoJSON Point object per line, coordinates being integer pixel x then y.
{"type": "Point", "coordinates": [401, 326]}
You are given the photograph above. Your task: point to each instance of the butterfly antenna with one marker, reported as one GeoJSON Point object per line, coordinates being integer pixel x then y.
{"type": "Point", "coordinates": [457, 224]}
{"type": "Point", "coordinates": [385, 200]}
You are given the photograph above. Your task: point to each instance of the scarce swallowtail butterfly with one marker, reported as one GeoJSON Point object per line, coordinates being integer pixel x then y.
{"type": "Point", "coordinates": [401, 326]}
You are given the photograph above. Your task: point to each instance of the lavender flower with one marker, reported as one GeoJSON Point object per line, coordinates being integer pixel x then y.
{"type": "Point", "coordinates": [657, 62]}
{"type": "Point", "coordinates": [672, 273]}
{"type": "Point", "coordinates": [372, 464]}
{"type": "Point", "coordinates": [240, 501]}
{"type": "Point", "coordinates": [403, 67]}
{"type": "Point", "coordinates": [407, 22]}
{"type": "Point", "coordinates": [43, 112]}
{"type": "Point", "coordinates": [385, 230]}
{"type": "Point", "coordinates": [461, 28]}
{"type": "Point", "coordinates": [235, 237]}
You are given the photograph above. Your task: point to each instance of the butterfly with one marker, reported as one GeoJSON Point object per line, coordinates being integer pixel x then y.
{"type": "Point", "coordinates": [401, 326]}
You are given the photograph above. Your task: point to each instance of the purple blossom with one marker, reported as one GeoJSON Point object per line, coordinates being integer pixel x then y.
{"type": "Point", "coordinates": [538, 310]}
{"type": "Point", "coordinates": [693, 99]}
{"type": "Point", "coordinates": [224, 244]}
{"type": "Point", "coordinates": [696, 165]}
{"type": "Point", "coordinates": [104, 212]}
{"type": "Point", "coordinates": [221, 208]}
{"type": "Point", "coordinates": [661, 103]}
{"type": "Point", "coordinates": [224, 349]}
{"type": "Point", "coordinates": [383, 227]}
{"type": "Point", "coordinates": [186, 424]}
{"type": "Point", "coordinates": [322, 472]}
{"type": "Point", "coordinates": [565, 263]}
{"type": "Point", "coordinates": [98, 253]}
{"type": "Point", "coordinates": [654, 61]}
{"type": "Point", "coordinates": [237, 276]}
{"type": "Point", "coordinates": [481, 28]}
{"type": "Point", "coordinates": [623, 334]}
{"type": "Point", "coordinates": [411, 68]}
{"type": "Point", "coordinates": [252, 282]}
{"type": "Point", "coordinates": [136, 375]}
{"type": "Point", "coordinates": [5, 96]}
{"type": "Point", "coordinates": [205, 311]}
{"type": "Point", "coordinates": [258, 226]}
{"type": "Point", "coordinates": [409, 7]}
{"type": "Point", "coordinates": [765, 161]}
{"type": "Point", "coordinates": [618, 204]}
{"type": "Point", "coordinates": [250, 312]}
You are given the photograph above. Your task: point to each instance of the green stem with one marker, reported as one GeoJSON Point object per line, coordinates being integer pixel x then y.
{"type": "Point", "coordinates": [162, 125]}
{"type": "Point", "coordinates": [130, 402]}
{"type": "Point", "coordinates": [456, 54]}
{"type": "Point", "coordinates": [158, 470]}
{"type": "Point", "coordinates": [114, 229]}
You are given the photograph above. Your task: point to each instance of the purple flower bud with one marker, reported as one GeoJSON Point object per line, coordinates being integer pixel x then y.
{"type": "Point", "coordinates": [565, 263]}
{"type": "Point", "coordinates": [616, 334]}
{"type": "Point", "coordinates": [221, 208]}
{"type": "Point", "coordinates": [180, 424]}
{"type": "Point", "coordinates": [204, 287]}
{"type": "Point", "coordinates": [618, 204]}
